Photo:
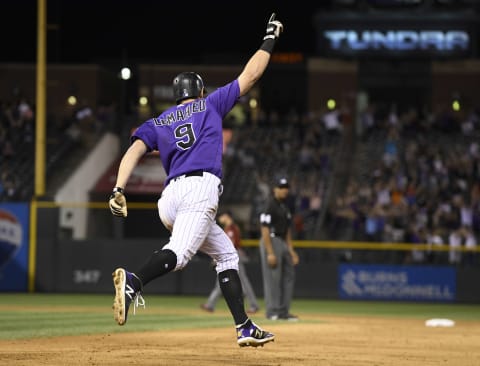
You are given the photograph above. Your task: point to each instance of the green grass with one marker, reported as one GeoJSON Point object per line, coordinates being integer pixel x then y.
{"type": "Point", "coordinates": [25, 316]}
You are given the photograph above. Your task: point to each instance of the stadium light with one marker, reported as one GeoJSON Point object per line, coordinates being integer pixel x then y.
{"type": "Point", "coordinates": [125, 73]}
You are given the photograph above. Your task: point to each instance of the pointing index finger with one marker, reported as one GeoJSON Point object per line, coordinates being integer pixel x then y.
{"type": "Point", "coordinates": [272, 17]}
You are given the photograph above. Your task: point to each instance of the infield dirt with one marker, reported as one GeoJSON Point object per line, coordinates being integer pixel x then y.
{"type": "Point", "coordinates": [314, 340]}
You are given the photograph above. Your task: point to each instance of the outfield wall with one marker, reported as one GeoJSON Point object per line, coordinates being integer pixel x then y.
{"type": "Point", "coordinates": [85, 267]}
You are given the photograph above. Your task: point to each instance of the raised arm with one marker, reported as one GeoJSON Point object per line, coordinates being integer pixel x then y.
{"type": "Point", "coordinates": [257, 64]}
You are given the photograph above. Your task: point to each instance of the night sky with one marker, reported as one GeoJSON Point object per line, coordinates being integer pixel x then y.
{"type": "Point", "coordinates": [90, 31]}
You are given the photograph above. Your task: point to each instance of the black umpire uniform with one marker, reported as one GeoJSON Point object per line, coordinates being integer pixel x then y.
{"type": "Point", "coordinates": [277, 255]}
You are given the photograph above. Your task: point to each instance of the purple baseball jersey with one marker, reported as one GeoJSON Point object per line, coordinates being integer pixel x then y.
{"type": "Point", "coordinates": [189, 136]}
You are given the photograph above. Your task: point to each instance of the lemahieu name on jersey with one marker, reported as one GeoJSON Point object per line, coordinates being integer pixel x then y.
{"type": "Point", "coordinates": [181, 114]}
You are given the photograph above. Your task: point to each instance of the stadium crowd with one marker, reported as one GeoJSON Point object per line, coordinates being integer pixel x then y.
{"type": "Point", "coordinates": [64, 136]}
{"type": "Point", "coordinates": [423, 186]}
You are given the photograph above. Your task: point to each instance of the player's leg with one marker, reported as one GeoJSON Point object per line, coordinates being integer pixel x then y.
{"type": "Point", "coordinates": [219, 246]}
{"type": "Point", "coordinates": [247, 288]}
{"type": "Point", "coordinates": [129, 285]}
{"type": "Point", "coordinates": [187, 207]}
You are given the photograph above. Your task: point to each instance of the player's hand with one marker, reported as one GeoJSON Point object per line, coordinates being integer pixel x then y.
{"type": "Point", "coordinates": [118, 203]}
{"type": "Point", "coordinates": [274, 28]}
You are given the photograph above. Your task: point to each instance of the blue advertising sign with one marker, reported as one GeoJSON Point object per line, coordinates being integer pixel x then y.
{"type": "Point", "coordinates": [397, 40]}
{"type": "Point", "coordinates": [14, 239]}
{"type": "Point", "coordinates": [405, 283]}
{"type": "Point", "coordinates": [398, 34]}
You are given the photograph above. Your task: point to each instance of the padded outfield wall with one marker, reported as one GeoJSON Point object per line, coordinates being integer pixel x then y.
{"type": "Point", "coordinates": [85, 266]}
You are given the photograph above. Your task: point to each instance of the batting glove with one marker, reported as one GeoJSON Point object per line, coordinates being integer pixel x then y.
{"type": "Point", "coordinates": [274, 28]}
{"type": "Point", "coordinates": [118, 202]}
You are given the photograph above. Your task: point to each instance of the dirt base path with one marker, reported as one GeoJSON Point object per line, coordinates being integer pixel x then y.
{"type": "Point", "coordinates": [329, 341]}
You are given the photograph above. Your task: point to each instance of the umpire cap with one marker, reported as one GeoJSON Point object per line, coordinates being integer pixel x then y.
{"type": "Point", "coordinates": [282, 182]}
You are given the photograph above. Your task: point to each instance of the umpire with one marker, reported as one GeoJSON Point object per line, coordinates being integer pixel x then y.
{"type": "Point", "coordinates": [277, 255]}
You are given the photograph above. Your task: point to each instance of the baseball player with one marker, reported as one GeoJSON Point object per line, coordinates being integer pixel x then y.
{"type": "Point", "coordinates": [188, 137]}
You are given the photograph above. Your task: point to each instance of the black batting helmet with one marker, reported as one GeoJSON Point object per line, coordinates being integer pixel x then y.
{"type": "Point", "coordinates": [187, 85]}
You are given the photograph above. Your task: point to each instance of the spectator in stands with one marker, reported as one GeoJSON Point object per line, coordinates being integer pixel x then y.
{"type": "Point", "coordinates": [374, 223]}
{"type": "Point", "coordinates": [367, 121]}
{"type": "Point", "coordinates": [333, 125]}
{"type": "Point", "coordinates": [435, 241]}
{"type": "Point", "coordinates": [455, 243]}
{"type": "Point", "coordinates": [417, 235]}
{"type": "Point", "coordinates": [9, 187]}
{"type": "Point", "coordinates": [470, 257]}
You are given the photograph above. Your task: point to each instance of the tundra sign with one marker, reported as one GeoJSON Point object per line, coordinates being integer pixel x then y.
{"type": "Point", "coordinates": [397, 34]}
{"type": "Point", "coordinates": [397, 40]}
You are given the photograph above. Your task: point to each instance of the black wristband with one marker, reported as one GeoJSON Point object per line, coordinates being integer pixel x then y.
{"type": "Point", "coordinates": [268, 45]}
{"type": "Point", "coordinates": [115, 190]}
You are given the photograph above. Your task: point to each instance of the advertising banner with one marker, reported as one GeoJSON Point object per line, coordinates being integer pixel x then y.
{"type": "Point", "coordinates": [403, 283]}
{"type": "Point", "coordinates": [14, 239]}
{"type": "Point", "coordinates": [393, 34]}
